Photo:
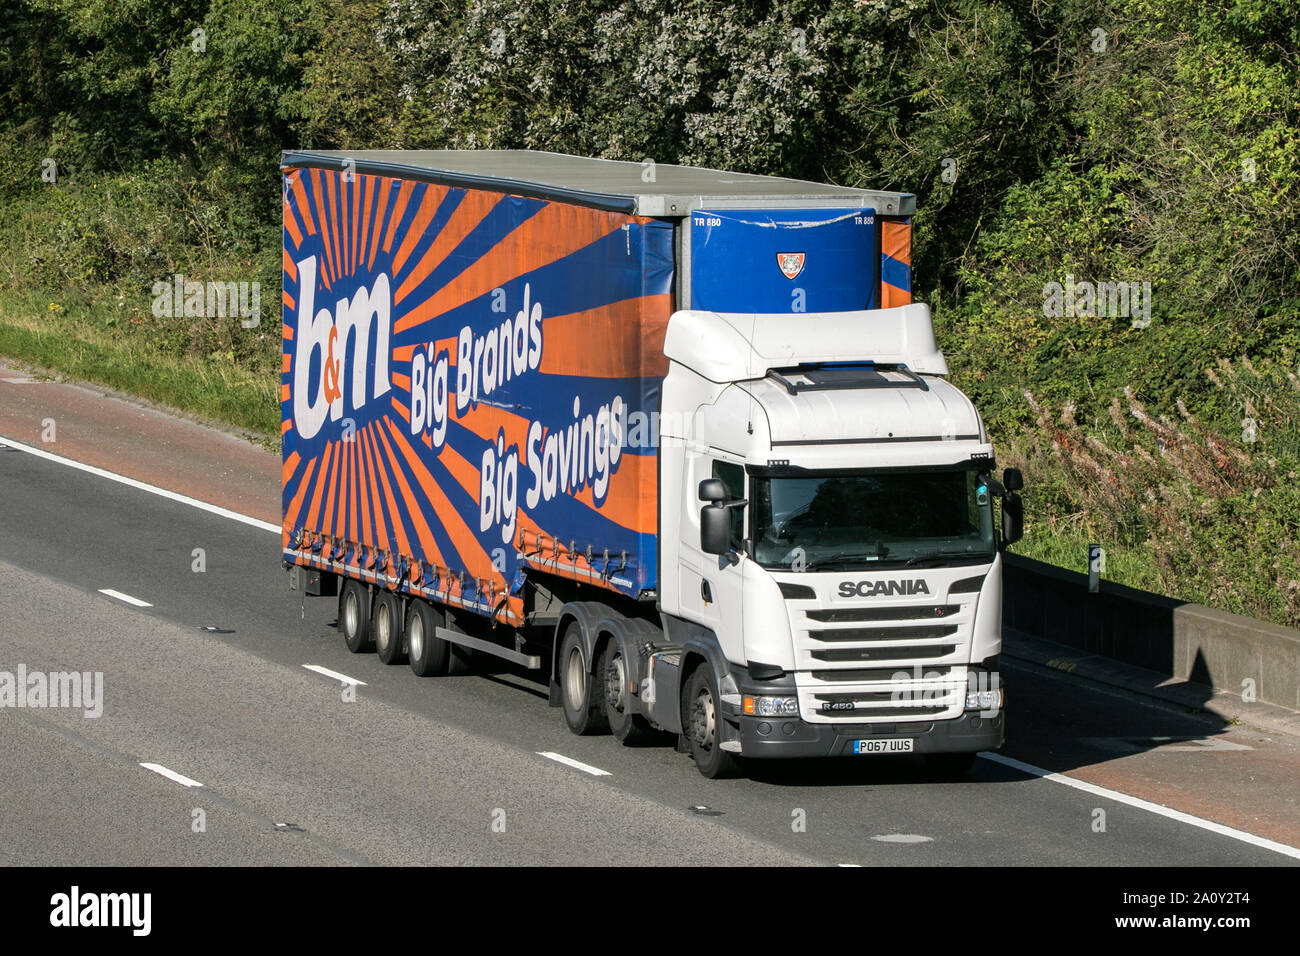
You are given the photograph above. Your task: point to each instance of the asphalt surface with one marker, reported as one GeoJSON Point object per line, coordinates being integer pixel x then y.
{"type": "Point", "coordinates": [209, 682]}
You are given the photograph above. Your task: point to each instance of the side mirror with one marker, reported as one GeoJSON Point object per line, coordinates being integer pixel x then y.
{"type": "Point", "coordinates": [1013, 519]}
{"type": "Point", "coordinates": [713, 490]}
{"type": "Point", "coordinates": [715, 527]}
{"type": "Point", "coordinates": [1012, 479]}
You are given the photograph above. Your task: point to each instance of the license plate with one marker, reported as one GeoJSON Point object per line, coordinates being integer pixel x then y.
{"type": "Point", "coordinates": [883, 746]}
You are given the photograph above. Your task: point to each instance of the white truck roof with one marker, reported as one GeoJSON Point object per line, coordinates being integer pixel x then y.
{"type": "Point", "coordinates": [830, 381]}
{"type": "Point", "coordinates": [734, 347]}
{"type": "Point", "coordinates": [939, 412]}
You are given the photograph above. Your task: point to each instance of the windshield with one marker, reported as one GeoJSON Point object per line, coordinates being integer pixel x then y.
{"type": "Point", "coordinates": [857, 521]}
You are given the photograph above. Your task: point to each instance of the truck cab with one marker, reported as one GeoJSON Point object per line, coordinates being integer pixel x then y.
{"type": "Point", "coordinates": [830, 555]}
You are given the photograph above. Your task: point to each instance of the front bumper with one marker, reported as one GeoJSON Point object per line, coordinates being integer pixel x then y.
{"type": "Point", "coordinates": [780, 737]}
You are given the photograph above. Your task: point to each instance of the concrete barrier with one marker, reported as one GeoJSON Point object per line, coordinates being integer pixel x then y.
{"type": "Point", "coordinates": [1223, 651]}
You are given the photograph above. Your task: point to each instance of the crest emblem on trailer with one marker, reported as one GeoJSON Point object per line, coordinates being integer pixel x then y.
{"type": "Point", "coordinates": [791, 263]}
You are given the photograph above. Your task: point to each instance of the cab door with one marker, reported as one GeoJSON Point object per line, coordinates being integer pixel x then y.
{"type": "Point", "coordinates": [711, 585]}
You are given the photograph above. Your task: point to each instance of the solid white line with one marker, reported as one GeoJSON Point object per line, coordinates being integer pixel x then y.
{"type": "Point", "coordinates": [142, 486]}
{"type": "Point", "coordinates": [124, 597]}
{"type": "Point", "coordinates": [1141, 804]}
{"type": "Point", "coordinates": [576, 764]}
{"type": "Point", "coordinates": [343, 678]}
{"type": "Point", "coordinates": [183, 780]}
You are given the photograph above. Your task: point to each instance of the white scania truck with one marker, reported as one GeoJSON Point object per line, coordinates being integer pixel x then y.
{"type": "Point", "coordinates": [681, 441]}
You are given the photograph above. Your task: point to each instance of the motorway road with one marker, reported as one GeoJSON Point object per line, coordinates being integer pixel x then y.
{"type": "Point", "coordinates": [209, 682]}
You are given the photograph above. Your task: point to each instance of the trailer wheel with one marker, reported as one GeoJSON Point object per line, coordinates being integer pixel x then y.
{"type": "Point", "coordinates": [427, 653]}
{"type": "Point", "coordinates": [354, 617]}
{"type": "Point", "coordinates": [582, 710]}
{"type": "Point", "coordinates": [629, 727]}
{"type": "Point", "coordinates": [702, 720]}
{"type": "Point", "coordinates": [387, 627]}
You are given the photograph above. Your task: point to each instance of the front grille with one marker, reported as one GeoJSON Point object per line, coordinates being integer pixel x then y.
{"type": "Point", "coordinates": [863, 696]}
{"type": "Point", "coordinates": [862, 675]}
{"type": "Point", "coordinates": [917, 633]}
{"type": "Point", "coordinates": [851, 614]}
{"type": "Point", "coordinates": [892, 663]}
{"type": "Point", "coordinates": [883, 653]}
{"type": "Point", "coordinates": [895, 712]}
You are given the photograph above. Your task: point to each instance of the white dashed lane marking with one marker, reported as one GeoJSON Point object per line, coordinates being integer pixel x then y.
{"type": "Point", "coordinates": [172, 775]}
{"type": "Point", "coordinates": [576, 764]}
{"type": "Point", "coordinates": [134, 601]}
{"type": "Point", "coordinates": [335, 675]}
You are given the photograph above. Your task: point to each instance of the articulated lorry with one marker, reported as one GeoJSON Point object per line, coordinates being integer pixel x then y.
{"type": "Point", "coordinates": [676, 438]}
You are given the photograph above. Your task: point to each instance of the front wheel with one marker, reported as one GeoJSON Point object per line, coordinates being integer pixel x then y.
{"type": "Point", "coordinates": [702, 720]}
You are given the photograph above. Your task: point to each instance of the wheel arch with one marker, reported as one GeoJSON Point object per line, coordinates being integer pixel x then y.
{"type": "Point", "coordinates": [700, 647]}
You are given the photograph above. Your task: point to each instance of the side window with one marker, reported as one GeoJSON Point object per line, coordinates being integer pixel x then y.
{"type": "Point", "coordinates": [733, 476]}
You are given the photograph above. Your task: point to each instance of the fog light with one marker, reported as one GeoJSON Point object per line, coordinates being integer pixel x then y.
{"type": "Point", "coordinates": [772, 706]}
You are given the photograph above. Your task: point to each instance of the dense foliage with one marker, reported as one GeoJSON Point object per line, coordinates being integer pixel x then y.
{"type": "Point", "coordinates": [1152, 142]}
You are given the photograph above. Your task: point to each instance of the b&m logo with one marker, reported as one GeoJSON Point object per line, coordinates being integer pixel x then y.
{"type": "Point", "coordinates": [340, 357]}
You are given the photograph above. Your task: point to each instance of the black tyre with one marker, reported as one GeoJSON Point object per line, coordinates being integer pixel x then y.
{"type": "Point", "coordinates": [949, 766]}
{"type": "Point", "coordinates": [386, 626]}
{"type": "Point", "coordinates": [427, 653]}
{"type": "Point", "coordinates": [702, 722]}
{"type": "Point", "coordinates": [612, 673]}
{"type": "Point", "coordinates": [354, 616]}
{"type": "Point", "coordinates": [583, 710]}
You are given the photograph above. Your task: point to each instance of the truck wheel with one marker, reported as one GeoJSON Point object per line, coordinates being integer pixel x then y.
{"type": "Point", "coordinates": [354, 617]}
{"type": "Point", "coordinates": [629, 727]}
{"type": "Point", "coordinates": [427, 653]}
{"type": "Point", "coordinates": [386, 624]}
{"type": "Point", "coordinates": [702, 721]}
{"type": "Point", "coordinates": [949, 766]}
{"type": "Point", "coordinates": [581, 712]}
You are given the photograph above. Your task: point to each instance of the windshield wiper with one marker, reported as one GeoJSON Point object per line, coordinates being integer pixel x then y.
{"type": "Point", "coordinates": [935, 556]}
{"type": "Point", "coordinates": [843, 556]}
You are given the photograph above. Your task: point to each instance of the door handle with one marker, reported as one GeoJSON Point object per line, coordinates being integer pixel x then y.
{"type": "Point", "coordinates": [706, 592]}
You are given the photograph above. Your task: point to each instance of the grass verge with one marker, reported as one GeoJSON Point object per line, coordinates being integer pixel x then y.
{"type": "Point", "coordinates": [211, 388]}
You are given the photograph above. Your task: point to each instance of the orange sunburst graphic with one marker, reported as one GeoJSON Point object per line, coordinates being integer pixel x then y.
{"type": "Point", "coordinates": [386, 485]}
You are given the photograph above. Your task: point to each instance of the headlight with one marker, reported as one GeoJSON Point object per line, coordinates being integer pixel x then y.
{"type": "Point", "coordinates": [772, 706]}
{"type": "Point", "coordinates": [984, 700]}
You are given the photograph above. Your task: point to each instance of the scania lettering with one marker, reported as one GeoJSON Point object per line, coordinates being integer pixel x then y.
{"type": "Point", "coordinates": [872, 588]}
{"type": "Point", "coordinates": [686, 449]}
